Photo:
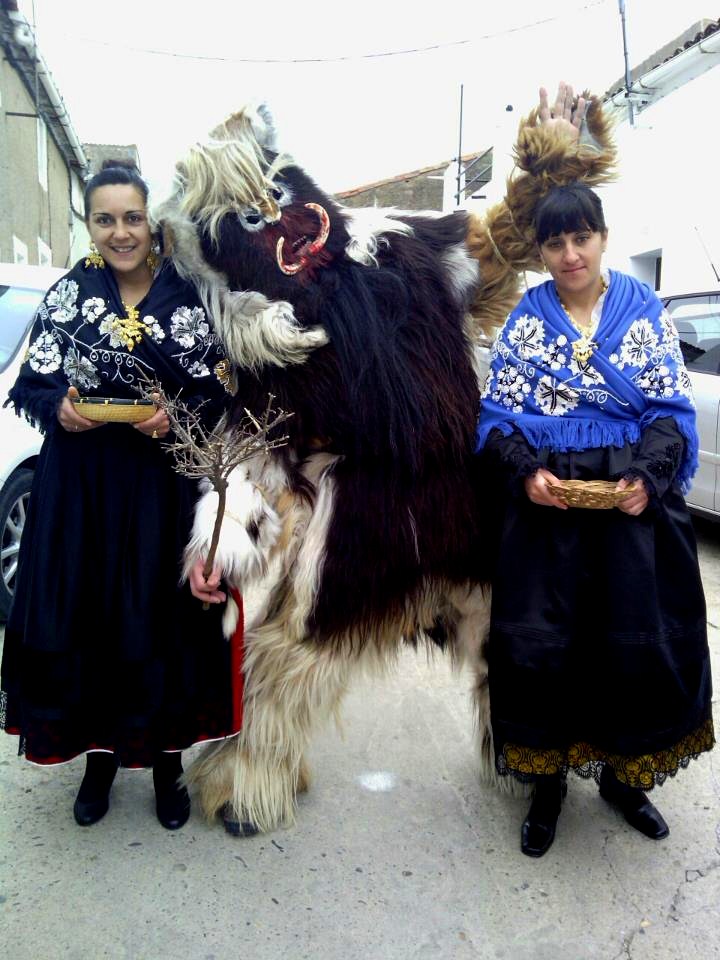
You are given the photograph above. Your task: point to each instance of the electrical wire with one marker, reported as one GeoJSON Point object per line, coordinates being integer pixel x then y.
{"type": "Point", "coordinates": [343, 58]}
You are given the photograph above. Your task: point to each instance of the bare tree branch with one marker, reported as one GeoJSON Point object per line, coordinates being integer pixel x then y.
{"type": "Point", "coordinates": [200, 451]}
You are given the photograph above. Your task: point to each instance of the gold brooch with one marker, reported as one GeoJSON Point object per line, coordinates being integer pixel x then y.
{"type": "Point", "coordinates": [129, 329]}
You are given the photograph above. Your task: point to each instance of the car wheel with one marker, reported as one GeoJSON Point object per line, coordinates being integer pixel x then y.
{"type": "Point", "coordinates": [14, 498]}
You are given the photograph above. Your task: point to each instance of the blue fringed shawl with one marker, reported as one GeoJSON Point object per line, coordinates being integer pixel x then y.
{"type": "Point", "coordinates": [634, 376]}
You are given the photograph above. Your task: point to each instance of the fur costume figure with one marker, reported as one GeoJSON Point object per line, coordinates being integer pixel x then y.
{"type": "Point", "coordinates": [367, 530]}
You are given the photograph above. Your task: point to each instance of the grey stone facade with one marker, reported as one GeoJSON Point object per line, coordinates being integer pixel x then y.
{"type": "Point", "coordinates": [40, 175]}
{"type": "Point", "coordinates": [421, 189]}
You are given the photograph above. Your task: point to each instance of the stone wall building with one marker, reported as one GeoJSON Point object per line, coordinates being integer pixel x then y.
{"type": "Point", "coordinates": [424, 189]}
{"type": "Point", "coordinates": [42, 163]}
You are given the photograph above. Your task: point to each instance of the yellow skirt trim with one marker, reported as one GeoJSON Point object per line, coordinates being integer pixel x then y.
{"type": "Point", "coordinates": [642, 771]}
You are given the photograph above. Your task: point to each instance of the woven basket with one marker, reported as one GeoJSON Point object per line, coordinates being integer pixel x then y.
{"type": "Point", "coordinates": [111, 410]}
{"type": "Point", "coordinates": [589, 494]}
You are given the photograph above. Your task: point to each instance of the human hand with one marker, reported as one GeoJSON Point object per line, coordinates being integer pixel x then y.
{"type": "Point", "coordinates": [638, 499]}
{"type": "Point", "coordinates": [561, 116]}
{"type": "Point", "coordinates": [205, 590]}
{"type": "Point", "coordinates": [536, 487]}
{"type": "Point", "coordinates": [157, 426]}
{"type": "Point", "coordinates": [68, 417]}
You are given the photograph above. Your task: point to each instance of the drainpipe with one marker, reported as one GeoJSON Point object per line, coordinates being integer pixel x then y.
{"type": "Point", "coordinates": [25, 38]}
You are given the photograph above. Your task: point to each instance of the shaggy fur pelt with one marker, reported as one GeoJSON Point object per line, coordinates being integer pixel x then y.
{"type": "Point", "coordinates": [370, 526]}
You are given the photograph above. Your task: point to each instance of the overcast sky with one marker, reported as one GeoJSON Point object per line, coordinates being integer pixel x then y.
{"type": "Point", "coordinates": [162, 72]}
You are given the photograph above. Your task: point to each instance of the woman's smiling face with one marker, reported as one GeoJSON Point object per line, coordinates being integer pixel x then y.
{"type": "Point", "coordinates": [119, 227]}
{"type": "Point", "coordinates": [573, 259]}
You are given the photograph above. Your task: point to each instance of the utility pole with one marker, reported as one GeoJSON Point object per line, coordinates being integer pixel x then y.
{"type": "Point", "coordinates": [460, 191]}
{"type": "Point", "coordinates": [628, 82]}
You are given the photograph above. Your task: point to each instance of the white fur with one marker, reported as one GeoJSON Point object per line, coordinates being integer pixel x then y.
{"type": "Point", "coordinates": [263, 125]}
{"type": "Point", "coordinates": [257, 332]}
{"type": "Point", "coordinates": [308, 567]}
{"type": "Point", "coordinates": [239, 556]}
{"type": "Point", "coordinates": [231, 615]}
{"type": "Point", "coordinates": [366, 226]}
{"type": "Point", "coordinates": [463, 272]}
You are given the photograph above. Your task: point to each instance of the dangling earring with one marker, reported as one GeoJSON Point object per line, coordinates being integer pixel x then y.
{"type": "Point", "coordinates": [94, 259]}
{"type": "Point", "coordinates": [153, 258]}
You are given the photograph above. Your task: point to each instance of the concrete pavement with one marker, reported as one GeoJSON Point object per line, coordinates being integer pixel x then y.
{"type": "Point", "coordinates": [398, 853]}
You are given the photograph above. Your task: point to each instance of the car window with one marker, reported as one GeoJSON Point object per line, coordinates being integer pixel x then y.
{"type": "Point", "coordinates": [17, 309]}
{"type": "Point", "coordinates": [697, 320]}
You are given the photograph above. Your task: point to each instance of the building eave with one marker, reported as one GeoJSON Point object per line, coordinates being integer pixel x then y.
{"type": "Point", "coordinates": [684, 59]}
{"type": "Point", "coordinates": [20, 49]}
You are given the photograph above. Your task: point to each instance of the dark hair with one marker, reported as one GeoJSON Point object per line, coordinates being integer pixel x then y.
{"type": "Point", "coordinates": [568, 209]}
{"type": "Point", "coordinates": [110, 173]}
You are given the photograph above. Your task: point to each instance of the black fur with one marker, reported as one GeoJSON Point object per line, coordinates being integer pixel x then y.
{"type": "Point", "coordinates": [393, 393]}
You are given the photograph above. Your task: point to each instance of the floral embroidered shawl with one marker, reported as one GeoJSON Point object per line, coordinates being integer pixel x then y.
{"type": "Point", "coordinates": [634, 375]}
{"type": "Point", "coordinates": [84, 336]}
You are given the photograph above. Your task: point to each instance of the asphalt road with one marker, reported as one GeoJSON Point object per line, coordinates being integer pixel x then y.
{"type": "Point", "coordinates": [398, 852]}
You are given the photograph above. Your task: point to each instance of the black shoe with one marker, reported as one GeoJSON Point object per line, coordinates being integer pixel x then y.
{"type": "Point", "coordinates": [538, 829]}
{"type": "Point", "coordinates": [172, 805]}
{"type": "Point", "coordinates": [235, 827]}
{"type": "Point", "coordinates": [93, 799]}
{"type": "Point", "coordinates": [638, 811]}
{"type": "Point", "coordinates": [172, 801]}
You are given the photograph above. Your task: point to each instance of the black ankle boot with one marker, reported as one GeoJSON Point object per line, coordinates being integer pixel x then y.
{"type": "Point", "coordinates": [172, 801]}
{"type": "Point", "coordinates": [538, 830]}
{"type": "Point", "coordinates": [639, 812]}
{"type": "Point", "coordinates": [93, 798]}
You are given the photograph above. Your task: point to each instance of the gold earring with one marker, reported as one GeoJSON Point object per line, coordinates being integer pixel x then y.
{"type": "Point", "coordinates": [94, 259]}
{"type": "Point", "coordinates": [153, 258]}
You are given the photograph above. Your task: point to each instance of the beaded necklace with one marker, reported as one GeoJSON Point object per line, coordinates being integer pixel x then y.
{"type": "Point", "coordinates": [583, 347]}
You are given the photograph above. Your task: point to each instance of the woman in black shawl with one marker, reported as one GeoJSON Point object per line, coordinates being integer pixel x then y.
{"type": "Point", "coordinates": [104, 653]}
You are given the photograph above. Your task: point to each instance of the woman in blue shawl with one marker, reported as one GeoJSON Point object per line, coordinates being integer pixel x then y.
{"type": "Point", "coordinates": [105, 655]}
{"type": "Point", "coordinates": [598, 656]}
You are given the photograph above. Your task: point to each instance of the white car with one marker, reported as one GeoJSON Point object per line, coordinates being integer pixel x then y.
{"type": "Point", "coordinates": [21, 290]}
{"type": "Point", "coordinates": [697, 319]}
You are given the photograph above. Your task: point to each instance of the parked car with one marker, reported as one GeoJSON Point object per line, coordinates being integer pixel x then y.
{"type": "Point", "coordinates": [697, 319]}
{"type": "Point", "coordinates": [21, 290]}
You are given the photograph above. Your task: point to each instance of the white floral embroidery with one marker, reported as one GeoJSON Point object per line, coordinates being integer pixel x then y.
{"type": "Point", "coordinates": [198, 369]}
{"type": "Point", "coordinates": [511, 389]}
{"type": "Point", "coordinates": [555, 398]}
{"type": "Point", "coordinates": [93, 308]}
{"type": "Point", "coordinates": [528, 337]}
{"type": "Point", "coordinates": [156, 331]}
{"type": "Point", "coordinates": [556, 356]}
{"type": "Point", "coordinates": [44, 354]}
{"type": "Point", "coordinates": [657, 381]}
{"type": "Point", "coordinates": [187, 325]}
{"type": "Point", "coordinates": [589, 375]}
{"type": "Point", "coordinates": [107, 327]}
{"type": "Point", "coordinates": [79, 371]}
{"type": "Point", "coordinates": [670, 339]}
{"type": "Point", "coordinates": [683, 384]}
{"type": "Point", "coordinates": [638, 344]}
{"type": "Point", "coordinates": [61, 301]}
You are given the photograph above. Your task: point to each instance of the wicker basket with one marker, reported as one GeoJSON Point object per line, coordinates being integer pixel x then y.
{"type": "Point", "coordinates": [589, 494]}
{"type": "Point", "coordinates": [112, 410]}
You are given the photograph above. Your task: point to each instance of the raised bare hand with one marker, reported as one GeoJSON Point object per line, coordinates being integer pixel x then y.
{"type": "Point", "coordinates": [563, 116]}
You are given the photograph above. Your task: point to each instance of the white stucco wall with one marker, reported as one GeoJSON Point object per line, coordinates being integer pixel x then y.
{"type": "Point", "coordinates": [667, 199]}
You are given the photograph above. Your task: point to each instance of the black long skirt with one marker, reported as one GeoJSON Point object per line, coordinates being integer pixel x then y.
{"type": "Point", "coordinates": [103, 648]}
{"type": "Point", "coordinates": [598, 647]}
